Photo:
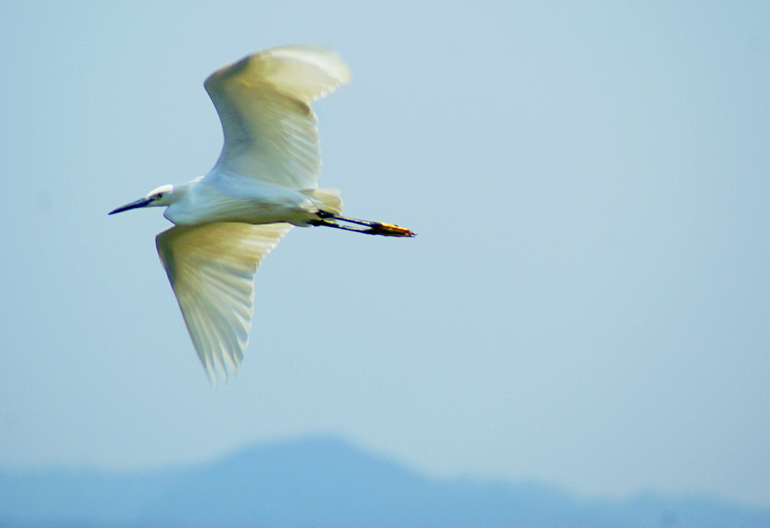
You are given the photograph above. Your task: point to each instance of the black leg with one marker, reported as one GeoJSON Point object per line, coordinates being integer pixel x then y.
{"type": "Point", "coordinates": [371, 228]}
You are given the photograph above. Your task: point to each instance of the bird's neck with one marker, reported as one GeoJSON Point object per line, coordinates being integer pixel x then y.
{"type": "Point", "coordinates": [181, 210]}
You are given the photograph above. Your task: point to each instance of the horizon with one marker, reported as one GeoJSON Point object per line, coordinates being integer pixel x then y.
{"type": "Point", "coordinates": [328, 480]}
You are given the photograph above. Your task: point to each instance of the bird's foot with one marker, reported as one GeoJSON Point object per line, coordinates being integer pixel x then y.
{"type": "Point", "coordinates": [369, 228]}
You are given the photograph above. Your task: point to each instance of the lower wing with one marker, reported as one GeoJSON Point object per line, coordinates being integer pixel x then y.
{"type": "Point", "coordinates": [211, 268]}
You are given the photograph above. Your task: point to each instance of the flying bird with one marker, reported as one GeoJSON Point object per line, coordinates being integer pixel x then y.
{"type": "Point", "coordinates": [264, 183]}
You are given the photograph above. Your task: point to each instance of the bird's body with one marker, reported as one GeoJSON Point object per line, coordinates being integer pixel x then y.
{"type": "Point", "coordinates": [233, 199]}
{"type": "Point", "coordinates": [263, 184]}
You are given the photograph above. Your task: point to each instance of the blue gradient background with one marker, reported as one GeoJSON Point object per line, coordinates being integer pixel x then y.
{"type": "Point", "coordinates": [587, 303]}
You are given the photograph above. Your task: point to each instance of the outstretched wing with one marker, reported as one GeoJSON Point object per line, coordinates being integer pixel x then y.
{"type": "Point", "coordinates": [211, 268]}
{"type": "Point", "coordinates": [263, 102]}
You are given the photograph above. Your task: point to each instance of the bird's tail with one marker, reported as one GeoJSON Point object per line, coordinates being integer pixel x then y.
{"type": "Point", "coordinates": [331, 199]}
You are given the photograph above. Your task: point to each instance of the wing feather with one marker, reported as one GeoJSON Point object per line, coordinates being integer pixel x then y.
{"type": "Point", "coordinates": [263, 103]}
{"type": "Point", "coordinates": [211, 268]}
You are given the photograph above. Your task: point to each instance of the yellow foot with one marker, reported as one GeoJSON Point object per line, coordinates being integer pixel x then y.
{"type": "Point", "coordinates": [380, 228]}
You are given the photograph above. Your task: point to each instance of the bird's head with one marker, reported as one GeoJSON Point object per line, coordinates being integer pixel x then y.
{"type": "Point", "coordinates": [163, 195]}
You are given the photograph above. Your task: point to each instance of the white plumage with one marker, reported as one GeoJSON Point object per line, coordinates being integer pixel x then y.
{"type": "Point", "coordinates": [264, 182]}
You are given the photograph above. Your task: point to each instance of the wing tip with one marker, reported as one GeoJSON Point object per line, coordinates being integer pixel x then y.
{"type": "Point", "coordinates": [322, 56]}
{"type": "Point", "coordinates": [219, 368]}
{"type": "Point", "coordinates": [331, 71]}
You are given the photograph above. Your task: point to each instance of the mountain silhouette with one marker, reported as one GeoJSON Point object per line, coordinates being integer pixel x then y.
{"type": "Point", "coordinates": [326, 482]}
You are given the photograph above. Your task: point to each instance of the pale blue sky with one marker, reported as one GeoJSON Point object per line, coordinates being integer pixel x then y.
{"type": "Point", "coordinates": [587, 303]}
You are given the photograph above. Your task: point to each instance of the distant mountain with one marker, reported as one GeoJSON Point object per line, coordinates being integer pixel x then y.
{"type": "Point", "coordinates": [328, 483]}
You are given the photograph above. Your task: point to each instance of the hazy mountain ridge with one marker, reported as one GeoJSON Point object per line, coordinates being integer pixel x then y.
{"type": "Point", "coordinates": [326, 482]}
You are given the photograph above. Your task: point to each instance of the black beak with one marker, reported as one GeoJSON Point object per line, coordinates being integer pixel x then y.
{"type": "Point", "coordinates": [133, 205]}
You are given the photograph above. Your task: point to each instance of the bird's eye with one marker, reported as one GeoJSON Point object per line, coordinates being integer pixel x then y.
{"type": "Point", "coordinates": [159, 196]}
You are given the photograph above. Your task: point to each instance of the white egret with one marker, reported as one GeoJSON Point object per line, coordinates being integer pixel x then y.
{"type": "Point", "coordinates": [263, 184]}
